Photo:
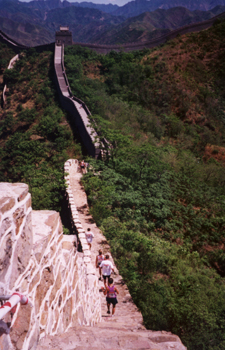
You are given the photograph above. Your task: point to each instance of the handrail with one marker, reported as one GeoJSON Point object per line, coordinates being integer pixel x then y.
{"type": "Point", "coordinates": [13, 300]}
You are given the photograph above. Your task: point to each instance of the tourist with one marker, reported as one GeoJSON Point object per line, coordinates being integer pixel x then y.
{"type": "Point", "coordinates": [83, 167]}
{"type": "Point", "coordinates": [99, 258]}
{"type": "Point", "coordinates": [107, 267]}
{"type": "Point", "coordinates": [89, 236]}
{"type": "Point", "coordinates": [111, 291]}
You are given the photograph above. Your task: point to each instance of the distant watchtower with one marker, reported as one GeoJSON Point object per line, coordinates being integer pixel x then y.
{"type": "Point", "coordinates": [63, 36]}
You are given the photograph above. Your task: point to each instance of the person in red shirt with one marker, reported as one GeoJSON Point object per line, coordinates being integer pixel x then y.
{"type": "Point", "coordinates": [99, 258]}
{"type": "Point", "coordinates": [111, 296]}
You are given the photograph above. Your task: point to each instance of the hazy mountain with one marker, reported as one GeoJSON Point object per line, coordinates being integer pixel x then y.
{"type": "Point", "coordinates": [26, 33]}
{"type": "Point", "coordinates": [36, 22]}
{"type": "Point", "coordinates": [83, 22]}
{"type": "Point", "coordinates": [150, 25]}
{"type": "Point", "coordinates": [52, 4]}
{"type": "Point", "coordinates": [109, 8]}
{"type": "Point", "coordinates": [137, 7]}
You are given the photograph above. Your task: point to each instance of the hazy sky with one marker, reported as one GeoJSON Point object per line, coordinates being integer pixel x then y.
{"type": "Point", "coordinates": [116, 2]}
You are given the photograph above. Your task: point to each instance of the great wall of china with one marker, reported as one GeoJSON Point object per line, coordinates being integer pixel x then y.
{"type": "Point", "coordinates": [37, 260]}
{"type": "Point", "coordinates": [195, 27]}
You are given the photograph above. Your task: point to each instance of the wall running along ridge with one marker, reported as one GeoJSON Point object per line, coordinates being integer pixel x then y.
{"type": "Point", "coordinates": [104, 49]}
{"type": "Point", "coordinates": [80, 114]}
{"type": "Point", "coordinates": [38, 261]}
{"type": "Point", "coordinates": [10, 66]}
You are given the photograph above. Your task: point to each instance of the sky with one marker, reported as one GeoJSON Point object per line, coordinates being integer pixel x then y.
{"type": "Point", "coordinates": [114, 2]}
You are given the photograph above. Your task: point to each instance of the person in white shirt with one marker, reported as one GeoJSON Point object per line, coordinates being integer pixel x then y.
{"type": "Point", "coordinates": [89, 236]}
{"type": "Point", "coordinates": [107, 267]}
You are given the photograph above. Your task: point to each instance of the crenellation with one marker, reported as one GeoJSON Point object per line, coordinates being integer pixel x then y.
{"type": "Point", "coordinates": [42, 263]}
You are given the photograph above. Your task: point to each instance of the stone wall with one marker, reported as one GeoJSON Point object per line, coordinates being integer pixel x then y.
{"type": "Point", "coordinates": [93, 294]}
{"type": "Point", "coordinates": [10, 66]}
{"type": "Point", "coordinates": [79, 113]}
{"type": "Point", "coordinates": [40, 262]}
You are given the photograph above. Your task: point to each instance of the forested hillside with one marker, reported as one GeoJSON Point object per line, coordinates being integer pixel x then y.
{"type": "Point", "coordinates": [35, 137]}
{"type": "Point", "coordinates": [159, 194]}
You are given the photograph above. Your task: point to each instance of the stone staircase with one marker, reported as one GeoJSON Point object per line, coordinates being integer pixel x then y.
{"type": "Point", "coordinates": [125, 329]}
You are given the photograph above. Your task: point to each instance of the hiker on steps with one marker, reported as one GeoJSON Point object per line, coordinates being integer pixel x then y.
{"type": "Point", "coordinates": [107, 267]}
{"type": "Point", "coordinates": [99, 258]}
{"type": "Point", "coordinates": [83, 167]}
{"type": "Point", "coordinates": [111, 291]}
{"type": "Point", "coordinates": [89, 237]}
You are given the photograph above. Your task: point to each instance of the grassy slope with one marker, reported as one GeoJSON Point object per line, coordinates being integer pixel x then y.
{"type": "Point", "coordinates": [35, 137]}
{"type": "Point", "coordinates": [160, 197]}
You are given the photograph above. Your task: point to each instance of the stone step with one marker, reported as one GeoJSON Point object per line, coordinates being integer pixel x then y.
{"type": "Point", "coordinates": [110, 338]}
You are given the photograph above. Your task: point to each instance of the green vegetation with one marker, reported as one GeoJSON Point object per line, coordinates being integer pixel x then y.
{"type": "Point", "coordinates": [35, 137]}
{"type": "Point", "coordinates": [159, 194]}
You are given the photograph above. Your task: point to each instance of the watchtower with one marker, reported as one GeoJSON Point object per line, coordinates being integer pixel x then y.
{"type": "Point", "coordinates": [63, 36]}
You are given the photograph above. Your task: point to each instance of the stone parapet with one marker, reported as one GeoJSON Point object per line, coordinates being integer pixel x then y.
{"type": "Point", "coordinates": [93, 310]}
{"type": "Point", "coordinates": [37, 260]}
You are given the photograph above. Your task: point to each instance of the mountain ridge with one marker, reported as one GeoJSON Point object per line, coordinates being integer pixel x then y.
{"type": "Point", "coordinates": [36, 22]}
{"type": "Point", "coordinates": [136, 7]}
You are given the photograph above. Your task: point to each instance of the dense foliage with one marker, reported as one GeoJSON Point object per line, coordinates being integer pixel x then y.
{"type": "Point", "coordinates": [159, 194]}
{"type": "Point", "coordinates": [35, 137]}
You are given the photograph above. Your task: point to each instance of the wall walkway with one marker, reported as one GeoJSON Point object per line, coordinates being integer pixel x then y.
{"type": "Point", "coordinates": [80, 115]}
{"type": "Point", "coordinates": [125, 330]}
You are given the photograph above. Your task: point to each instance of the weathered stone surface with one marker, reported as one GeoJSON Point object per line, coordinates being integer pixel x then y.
{"type": "Point", "coordinates": [44, 318]}
{"type": "Point", "coordinates": [6, 223]}
{"type": "Point", "coordinates": [75, 277]}
{"type": "Point", "coordinates": [5, 342]}
{"type": "Point", "coordinates": [66, 256]}
{"type": "Point", "coordinates": [67, 313]}
{"type": "Point", "coordinates": [60, 238]}
{"type": "Point", "coordinates": [40, 248]}
{"type": "Point", "coordinates": [81, 235]}
{"type": "Point", "coordinates": [53, 220]}
{"type": "Point", "coordinates": [67, 245]}
{"type": "Point", "coordinates": [87, 260]}
{"type": "Point", "coordinates": [56, 313]}
{"type": "Point", "coordinates": [21, 326]}
{"type": "Point", "coordinates": [78, 292]}
{"type": "Point", "coordinates": [34, 338]}
{"type": "Point", "coordinates": [28, 203]}
{"type": "Point", "coordinates": [90, 269]}
{"type": "Point", "coordinates": [21, 190]}
{"type": "Point", "coordinates": [47, 279]}
{"type": "Point", "coordinates": [43, 223]}
{"type": "Point", "coordinates": [163, 338]}
{"type": "Point", "coordinates": [18, 217]}
{"type": "Point", "coordinates": [80, 314]}
{"type": "Point", "coordinates": [87, 253]}
{"type": "Point", "coordinates": [5, 255]}
{"type": "Point", "coordinates": [22, 252]}
{"type": "Point", "coordinates": [6, 204]}
{"type": "Point", "coordinates": [56, 287]}
{"type": "Point", "coordinates": [34, 281]}
{"type": "Point", "coordinates": [51, 253]}
{"type": "Point", "coordinates": [64, 292]}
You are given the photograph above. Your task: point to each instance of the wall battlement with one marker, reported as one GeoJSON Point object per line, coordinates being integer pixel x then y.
{"type": "Point", "coordinates": [40, 262]}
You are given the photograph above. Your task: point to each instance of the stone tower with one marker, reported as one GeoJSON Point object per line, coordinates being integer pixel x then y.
{"type": "Point", "coordinates": [63, 36]}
